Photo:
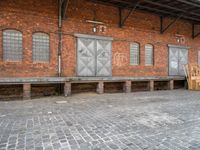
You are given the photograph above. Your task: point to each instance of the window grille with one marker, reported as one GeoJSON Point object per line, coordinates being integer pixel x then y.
{"type": "Point", "coordinates": [41, 47]}
{"type": "Point", "coordinates": [134, 54]}
{"type": "Point", "coordinates": [149, 55]}
{"type": "Point", "coordinates": [12, 45]}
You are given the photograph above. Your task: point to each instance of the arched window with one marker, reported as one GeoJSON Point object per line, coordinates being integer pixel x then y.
{"type": "Point", "coordinates": [41, 52]}
{"type": "Point", "coordinates": [134, 53]}
{"type": "Point", "coordinates": [149, 55]}
{"type": "Point", "coordinates": [12, 45]}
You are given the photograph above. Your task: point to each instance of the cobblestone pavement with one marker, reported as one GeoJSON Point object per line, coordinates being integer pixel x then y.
{"type": "Point", "coordinates": [164, 120]}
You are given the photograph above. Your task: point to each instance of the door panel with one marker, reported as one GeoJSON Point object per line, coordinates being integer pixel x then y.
{"type": "Point", "coordinates": [104, 64]}
{"type": "Point", "coordinates": [94, 57]}
{"type": "Point", "coordinates": [177, 58]}
{"type": "Point", "coordinates": [183, 59]}
{"type": "Point", "coordinates": [86, 57]}
{"type": "Point", "coordinates": [173, 61]}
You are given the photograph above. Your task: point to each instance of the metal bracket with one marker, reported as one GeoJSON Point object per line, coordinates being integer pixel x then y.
{"type": "Point", "coordinates": [123, 20]}
{"type": "Point", "coordinates": [193, 32]}
{"type": "Point", "coordinates": [162, 29]}
{"type": "Point", "coordinates": [64, 8]}
{"type": "Point", "coordinates": [63, 5]}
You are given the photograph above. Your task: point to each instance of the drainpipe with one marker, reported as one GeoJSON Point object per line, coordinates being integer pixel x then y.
{"type": "Point", "coordinates": [59, 37]}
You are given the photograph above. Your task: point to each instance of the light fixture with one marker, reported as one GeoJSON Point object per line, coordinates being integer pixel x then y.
{"type": "Point", "coordinates": [94, 29]}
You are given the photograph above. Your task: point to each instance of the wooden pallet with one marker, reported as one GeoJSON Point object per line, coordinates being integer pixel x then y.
{"type": "Point", "coordinates": [192, 73]}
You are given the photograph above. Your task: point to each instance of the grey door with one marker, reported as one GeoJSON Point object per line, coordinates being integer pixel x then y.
{"type": "Point", "coordinates": [177, 58]}
{"type": "Point", "coordinates": [94, 57]}
{"type": "Point", "coordinates": [86, 57]}
{"type": "Point", "coordinates": [183, 59]}
{"type": "Point", "coordinates": [104, 66]}
{"type": "Point", "coordinates": [173, 61]}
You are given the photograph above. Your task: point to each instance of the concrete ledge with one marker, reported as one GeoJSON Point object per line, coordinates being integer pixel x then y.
{"type": "Point", "coordinates": [121, 79]}
{"type": "Point", "coordinates": [46, 80]}
{"type": "Point", "coordinates": [126, 83]}
{"type": "Point", "coordinates": [32, 80]}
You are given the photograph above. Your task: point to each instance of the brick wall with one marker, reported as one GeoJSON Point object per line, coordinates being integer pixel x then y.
{"type": "Point", "coordinates": [29, 17]}
{"type": "Point", "coordinates": [36, 15]}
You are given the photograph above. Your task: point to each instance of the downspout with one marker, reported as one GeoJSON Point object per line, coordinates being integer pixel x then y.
{"type": "Point", "coordinates": [59, 37]}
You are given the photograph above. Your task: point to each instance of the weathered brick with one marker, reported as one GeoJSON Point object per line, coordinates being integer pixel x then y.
{"type": "Point", "coordinates": [33, 16]}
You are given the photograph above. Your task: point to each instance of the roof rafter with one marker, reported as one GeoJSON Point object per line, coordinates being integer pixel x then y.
{"type": "Point", "coordinates": [189, 9]}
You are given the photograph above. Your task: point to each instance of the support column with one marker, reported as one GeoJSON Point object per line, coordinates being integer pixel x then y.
{"type": "Point", "coordinates": [171, 84]}
{"type": "Point", "coordinates": [100, 87]}
{"type": "Point", "coordinates": [127, 87]}
{"type": "Point", "coordinates": [186, 84]}
{"type": "Point", "coordinates": [151, 85]}
{"type": "Point", "coordinates": [26, 91]}
{"type": "Point", "coordinates": [67, 89]}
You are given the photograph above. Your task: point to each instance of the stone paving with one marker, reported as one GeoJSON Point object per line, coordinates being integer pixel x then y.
{"type": "Point", "coordinates": [161, 120]}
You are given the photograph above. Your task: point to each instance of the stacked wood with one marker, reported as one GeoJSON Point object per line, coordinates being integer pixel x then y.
{"type": "Point", "coordinates": [192, 73]}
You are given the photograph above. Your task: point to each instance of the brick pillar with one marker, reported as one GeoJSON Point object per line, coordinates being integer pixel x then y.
{"type": "Point", "coordinates": [100, 87]}
{"type": "Point", "coordinates": [67, 89]}
{"type": "Point", "coordinates": [26, 91]}
{"type": "Point", "coordinates": [127, 87]}
{"type": "Point", "coordinates": [171, 84]}
{"type": "Point", "coordinates": [151, 85]}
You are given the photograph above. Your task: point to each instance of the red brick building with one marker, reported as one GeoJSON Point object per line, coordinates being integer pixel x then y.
{"type": "Point", "coordinates": [99, 39]}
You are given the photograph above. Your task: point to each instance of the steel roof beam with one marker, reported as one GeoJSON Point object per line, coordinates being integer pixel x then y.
{"type": "Point", "coordinates": [189, 3]}
{"type": "Point", "coordinates": [155, 10]}
{"type": "Point", "coordinates": [194, 35]}
{"type": "Point", "coordinates": [171, 7]}
{"type": "Point", "coordinates": [164, 12]}
{"type": "Point", "coordinates": [65, 4]}
{"type": "Point", "coordinates": [162, 29]}
{"type": "Point", "coordinates": [123, 20]}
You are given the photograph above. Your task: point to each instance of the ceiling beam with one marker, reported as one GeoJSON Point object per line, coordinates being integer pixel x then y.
{"type": "Point", "coordinates": [165, 12]}
{"type": "Point", "coordinates": [189, 3]}
{"type": "Point", "coordinates": [144, 7]}
{"type": "Point", "coordinates": [171, 7]}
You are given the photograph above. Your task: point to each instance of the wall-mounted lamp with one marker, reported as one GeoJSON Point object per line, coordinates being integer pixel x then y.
{"type": "Point", "coordinates": [180, 38]}
{"type": "Point", "coordinates": [95, 24]}
{"type": "Point", "coordinates": [94, 29]}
